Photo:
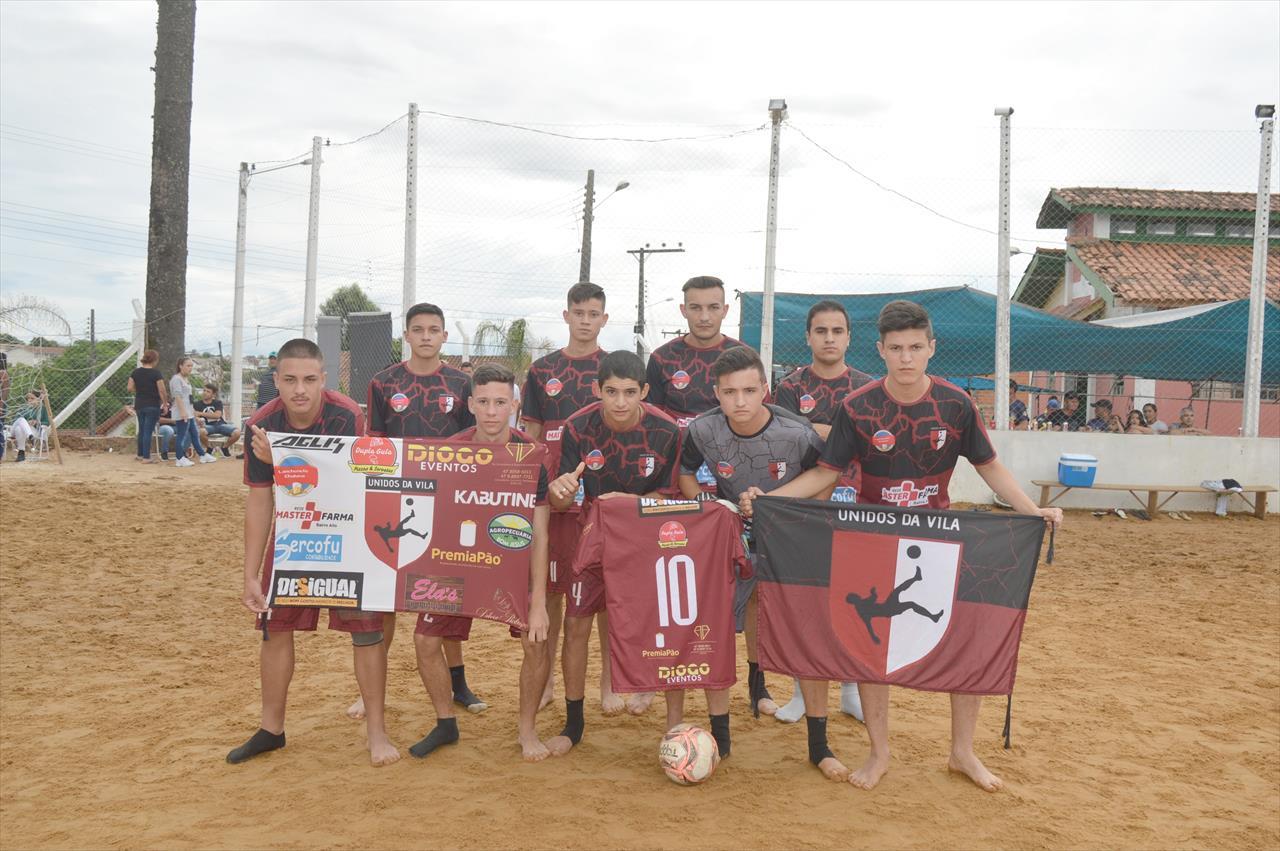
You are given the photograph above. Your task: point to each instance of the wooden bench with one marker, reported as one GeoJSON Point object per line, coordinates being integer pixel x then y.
{"type": "Point", "coordinates": [1153, 502]}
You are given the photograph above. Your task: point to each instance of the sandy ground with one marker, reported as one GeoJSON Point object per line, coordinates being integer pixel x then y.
{"type": "Point", "coordinates": [1147, 711]}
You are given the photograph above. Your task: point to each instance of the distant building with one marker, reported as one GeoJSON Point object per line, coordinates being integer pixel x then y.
{"type": "Point", "coordinates": [30, 355]}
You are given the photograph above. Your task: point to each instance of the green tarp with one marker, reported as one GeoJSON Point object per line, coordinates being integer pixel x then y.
{"type": "Point", "coordinates": [1209, 345]}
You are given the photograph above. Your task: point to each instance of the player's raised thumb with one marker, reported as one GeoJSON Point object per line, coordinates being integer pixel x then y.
{"type": "Point", "coordinates": [582, 465]}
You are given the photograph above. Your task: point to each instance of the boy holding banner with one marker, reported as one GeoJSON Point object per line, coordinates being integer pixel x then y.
{"type": "Point", "coordinates": [303, 407]}
{"type": "Point", "coordinates": [906, 432]}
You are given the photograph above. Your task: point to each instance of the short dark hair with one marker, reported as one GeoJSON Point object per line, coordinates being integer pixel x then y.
{"type": "Point", "coordinates": [421, 308]}
{"type": "Point", "coordinates": [737, 359]}
{"type": "Point", "coordinates": [466, 363]}
{"type": "Point", "coordinates": [621, 364]}
{"type": "Point", "coordinates": [903, 315]}
{"type": "Point", "coordinates": [826, 306]}
{"type": "Point", "coordinates": [1070, 394]}
{"type": "Point", "coordinates": [1152, 406]}
{"type": "Point", "coordinates": [1103, 402]}
{"type": "Point", "coordinates": [702, 282]}
{"type": "Point", "coordinates": [585, 291]}
{"type": "Point", "coordinates": [212, 387]}
{"type": "Point", "coordinates": [1013, 384]}
{"type": "Point", "coordinates": [487, 373]}
{"type": "Point", "coordinates": [300, 347]}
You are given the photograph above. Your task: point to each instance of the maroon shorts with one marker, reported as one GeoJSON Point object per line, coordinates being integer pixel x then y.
{"type": "Point", "coordinates": [306, 618]}
{"type": "Point", "coordinates": [443, 626]}
{"type": "Point", "coordinates": [586, 595]}
{"type": "Point", "coordinates": [564, 531]}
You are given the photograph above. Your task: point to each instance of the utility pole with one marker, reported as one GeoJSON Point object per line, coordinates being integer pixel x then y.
{"type": "Point", "coordinates": [93, 364]}
{"type": "Point", "coordinates": [408, 294]}
{"type": "Point", "coordinates": [1258, 277]}
{"type": "Point", "coordinates": [584, 263]}
{"type": "Point", "coordinates": [777, 113]}
{"type": "Point", "coordinates": [235, 408]}
{"type": "Point", "coordinates": [639, 254]}
{"type": "Point", "coordinates": [313, 237]}
{"type": "Point", "coordinates": [1002, 278]}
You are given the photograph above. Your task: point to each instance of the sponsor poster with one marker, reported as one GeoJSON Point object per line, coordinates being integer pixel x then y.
{"type": "Point", "coordinates": [418, 525]}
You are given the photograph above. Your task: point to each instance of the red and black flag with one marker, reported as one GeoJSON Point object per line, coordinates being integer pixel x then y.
{"type": "Point", "coordinates": [920, 598]}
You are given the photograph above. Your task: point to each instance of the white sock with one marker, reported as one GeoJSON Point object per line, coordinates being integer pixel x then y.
{"type": "Point", "coordinates": [794, 710]}
{"type": "Point", "coordinates": [850, 701]}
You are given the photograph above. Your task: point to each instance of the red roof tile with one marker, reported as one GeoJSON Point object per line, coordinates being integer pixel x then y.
{"type": "Point", "coordinates": [1171, 274]}
{"type": "Point", "coordinates": [1076, 308]}
{"type": "Point", "coordinates": [1160, 199]}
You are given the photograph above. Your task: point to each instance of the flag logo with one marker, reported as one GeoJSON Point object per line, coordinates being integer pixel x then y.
{"type": "Point", "coordinates": [724, 469]}
{"type": "Point", "coordinates": [883, 440]}
{"type": "Point", "coordinates": [680, 379]}
{"type": "Point", "coordinates": [399, 402]}
{"type": "Point", "coordinates": [554, 386]}
{"type": "Point", "coordinates": [807, 404]}
{"type": "Point", "coordinates": [594, 459]}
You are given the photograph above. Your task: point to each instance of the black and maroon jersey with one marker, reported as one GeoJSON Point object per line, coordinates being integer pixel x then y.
{"type": "Point", "coordinates": [468, 435]}
{"type": "Point", "coordinates": [679, 378]}
{"type": "Point", "coordinates": [555, 388]}
{"type": "Point", "coordinates": [402, 404]}
{"type": "Point", "coordinates": [339, 415]}
{"type": "Point", "coordinates": [907, 452]}
{"type": "Point", "coordinates": [638, 461]}
{"type": "Point", "coordinates": [669, 571]}
{"type": "Point", "coordinates": [817, 399]}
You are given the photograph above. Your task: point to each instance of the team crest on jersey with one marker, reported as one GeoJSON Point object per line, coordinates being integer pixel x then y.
{"type": "Point", "coordinates": [672, 534]}
{"type": "Point", "coordinates": [399, 402]}
{"type": "Point", "coordinates": [647, 464]}
{"type": "Point", "coordinates": [446, 403]}
{"type": "Point", "coordinates": [807, 404]}
{"type": "Point", "coordinates": [594, 459]}
{"type": "Point", "coordinates": [554, 386]}
{"type": "Point", "coordinates": [725, 469]}
{"type": "Point", "coordinates": [937, 437]}
{"type": "Point", "coordinates": [680, 379]}
{"type": "Point", "coordinates": [883, 440]}
{"type": "Point", "coordinates": [777, 469]}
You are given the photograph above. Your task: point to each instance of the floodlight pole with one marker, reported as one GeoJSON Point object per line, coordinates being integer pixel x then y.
{"type": "Point", "coordinates": [409, 294]}
{"type": "Point", "coordinates": [777, 112]}
{"type": "Point", "coordinates": [1258, 277]}
{"type": "Point", "coordinates": [313, 237]}
{"type": "Point", "coordinates": [1002, 279]}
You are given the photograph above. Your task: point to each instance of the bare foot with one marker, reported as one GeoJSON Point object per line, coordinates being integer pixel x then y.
{"type": "Point", "coordinates": [972, 767]}
{"type": "Point", "coordinates": [611, 704]}
{"type": "Point", "coordinates": [638, 704]}
{"type": "Point", "coordinates": [356, 710]}
{"type": "Point", "coordinates": [533, 748]}
{"type": "Point", "coordinates": [872, 770]}
{"type": "Point", "coordinates": [767, 706]}
{"type": "Point", "coordinates": [833, 769]}
{"type": "Point", "coordinates": [559, 745]}
{"type": "Point", "coordinates": [382, 752]}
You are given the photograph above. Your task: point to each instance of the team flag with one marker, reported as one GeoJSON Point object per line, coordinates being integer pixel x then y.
{"type": "Point", "coordinates": [920, 598]}
{"type": "Point", "coordinates": [422, 525]}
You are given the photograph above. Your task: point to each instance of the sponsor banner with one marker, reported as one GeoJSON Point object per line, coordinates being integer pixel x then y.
{"type": "Point", "coordinates": [420, 525]}
{"type": "Point", "coordinates": [922, 598]}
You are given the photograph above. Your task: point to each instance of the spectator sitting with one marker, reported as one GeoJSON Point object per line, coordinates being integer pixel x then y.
{"type": "Point", "coordinates": [209, 413]}
{"type": "Point", "coordinates": [1052, 416]}
{"type": "Point", "coordinates": [1075, 418]}
{"type": "Point", "coordinates": [28, 422]}
{"type": "Point", "coordinates": [164, 431]}
{"type": "Point", "coordinates": [1157, 425]}
{"type": "Point", "coordinates": [1186, 423]}
{"type": "Point", "coordinates": [4, 395]}
{"type": "Point", "coordinates": [267, 382]}
{"type": "Point", "coordinates": [466, 367]}
{"type": "Point", "coordinates": [1114, 424]}
{"type": "Point", "coordinates": [1017, 408]}
{"type": "Point", "coordinates": [1101, 416]}
{"type": "Point", "coordinates": [1137, 424]}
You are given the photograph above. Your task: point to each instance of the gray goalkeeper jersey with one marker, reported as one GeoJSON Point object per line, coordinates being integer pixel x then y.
{"type": "Point", "coordinates": [773, 456]}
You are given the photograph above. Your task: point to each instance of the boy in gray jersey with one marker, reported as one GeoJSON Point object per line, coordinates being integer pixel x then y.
{"type": "Point", "coordinates": [747, 443]}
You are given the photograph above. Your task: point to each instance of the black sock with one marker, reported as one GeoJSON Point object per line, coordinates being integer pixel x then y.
{"type": "Point", "coordinates": [461, 694]}
{"type": "Point", "coordinates": [756, 690]}
{"type": "Point", "coordinates": [818, 749]}
{"type": "Point", "coordinates": [720, 730]}
{"type": "Point", "coordinates": [573, 722]}
{"type": "Point", "coordinates": [445, 733]}
{"type": "Point", "coordinates": [259, 742]}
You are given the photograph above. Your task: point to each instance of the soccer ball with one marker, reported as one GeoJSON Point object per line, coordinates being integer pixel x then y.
{"type": "Point", "coordinates": [688, 754]}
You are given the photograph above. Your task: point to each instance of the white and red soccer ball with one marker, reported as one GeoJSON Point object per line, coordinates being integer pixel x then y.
{"type": "Point", "coordinates": [688, 754]}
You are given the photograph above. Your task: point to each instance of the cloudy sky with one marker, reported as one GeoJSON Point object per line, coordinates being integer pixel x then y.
{"type": "Point", "coordinates": [900, 96]}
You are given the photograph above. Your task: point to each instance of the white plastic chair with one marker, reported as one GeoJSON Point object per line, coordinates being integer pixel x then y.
{"type": "Point", "coordinates": [42, 443]}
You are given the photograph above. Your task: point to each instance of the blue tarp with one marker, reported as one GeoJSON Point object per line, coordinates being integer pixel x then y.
{"type": "Point", "coordinates": [1208, 345]}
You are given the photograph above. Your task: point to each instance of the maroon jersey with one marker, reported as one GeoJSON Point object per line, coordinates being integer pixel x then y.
{"type": "Point", "coordinates": [817, 399]}
{"type": "Point", "coordinates": [669, 571]}
{"type": "Point", "coordinates": [402, 404]}
{"type": "Point", "coordinates": [679, 378]}
{"type": "Point", "coordinates": [637, 461]}
{"type": "Point", "coordinates": [555, 388]}
{"type": "Point", "coordinates": [907, 452]}
{"type": "Point", "coordinates": [517, 436]}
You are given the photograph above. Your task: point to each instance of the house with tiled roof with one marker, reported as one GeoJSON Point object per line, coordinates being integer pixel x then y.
{"type": "Point", "coordinates": [1137, 251]}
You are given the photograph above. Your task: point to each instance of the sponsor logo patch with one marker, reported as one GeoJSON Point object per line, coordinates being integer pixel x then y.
{"type": "Point", "coordinates": [908, 495]}
{"type": "Point", "coordinates": [511, 531]}
{"type": "Point", "coordinates": [316, 588]}
{"type": "Point", "coordinates": [807, 404]}
{"type": "Point", "coordinates": [691, 673]}
{"type": "Point", "coordinates": [554, 386]}
{"type": "Point", "coordinates": [672, 534]}
{"type": "Point", "coordinates": [312, 516]}
{"type": "Point", "coordinates": [724, 469]}
{"type": "Point", "coordinates": [310, 442]}
{"type": "Point", "coordinates": [680, 379]}
{"type": "Point", "coordinates": [650, 506]}
{"type": "Point", "coordinates": [373, 456]}
{"type": "Point", "coordinates": [399, 403]}
{"type": "Point", "coordinates": [303, 546]}
{"type": "Point", "coordinates": [594, 459]}
{"type": "Point", "coordinates": [295, 476]}
{"type": "Point", "coordinates": [883, 440]}
{"type": "Point", "coordinates": [440, 594]}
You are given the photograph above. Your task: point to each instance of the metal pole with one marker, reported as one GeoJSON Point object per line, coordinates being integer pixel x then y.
{"type": "Point", "coordinates": [777, 112]}
{"type": "Point", "coordinates": [93, 363]}
{"type": "Point", "coordinates": [313, 237]}
{"type": "Point", "coordinates": [640, 309]}
{"type": "Point", "coordinates": [409, 296]}
{"type": "Point", "coordinates": [1258, 278]}
{"type": "Point", "coordinates": [584, 266]}
{"type": "Point", "coordinates": [237, 310]}
{"type": "Point", "coordinates": [1002, 279]}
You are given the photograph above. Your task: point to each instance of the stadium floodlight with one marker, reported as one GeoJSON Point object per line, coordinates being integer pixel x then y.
{"type": "Point", "coordinates": [1264, 110]}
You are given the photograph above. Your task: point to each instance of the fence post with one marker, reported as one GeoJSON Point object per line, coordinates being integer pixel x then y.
{"type": "Point", "coordinates": [1002, 279]}
{"type": "Point", "coordinates": [93, 363]}
{"type": "Point", "coordinates": [777, 112]}
{"type": "Point", "coordinates": [237, 310]}
{"type": "Point", "coordinates": [313, 237]}
{"type": "Point", "coordinates": [409, 295]}
{"type": "Point", "coordinates": [1258, 278]}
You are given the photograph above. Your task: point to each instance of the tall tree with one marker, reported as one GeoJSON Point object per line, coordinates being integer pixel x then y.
{"type": "Point", "coordinates": [344, 301]}
{"type": "Point", "coordinates": [170, 175]}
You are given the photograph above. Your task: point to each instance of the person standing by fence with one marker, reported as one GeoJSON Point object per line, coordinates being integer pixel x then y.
{"type": "Point", "coordinates": [184, 416]}
{"type": "Point", "coordinates": [146, 383]}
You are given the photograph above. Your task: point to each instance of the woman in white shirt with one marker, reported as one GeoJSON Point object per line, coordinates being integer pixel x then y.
{"type": "Point", "coordinates": [184, 416]}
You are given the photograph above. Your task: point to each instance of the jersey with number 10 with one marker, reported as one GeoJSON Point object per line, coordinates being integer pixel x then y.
{"type": "Point", "coordinates": [669, 569]}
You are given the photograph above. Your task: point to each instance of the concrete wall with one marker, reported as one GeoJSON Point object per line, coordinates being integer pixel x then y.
{"type": "Point", "coordinates": [1129, 459]}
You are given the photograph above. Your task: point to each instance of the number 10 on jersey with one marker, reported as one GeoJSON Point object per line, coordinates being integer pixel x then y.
{"type": "Point", "coordinates": [675, 603]}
